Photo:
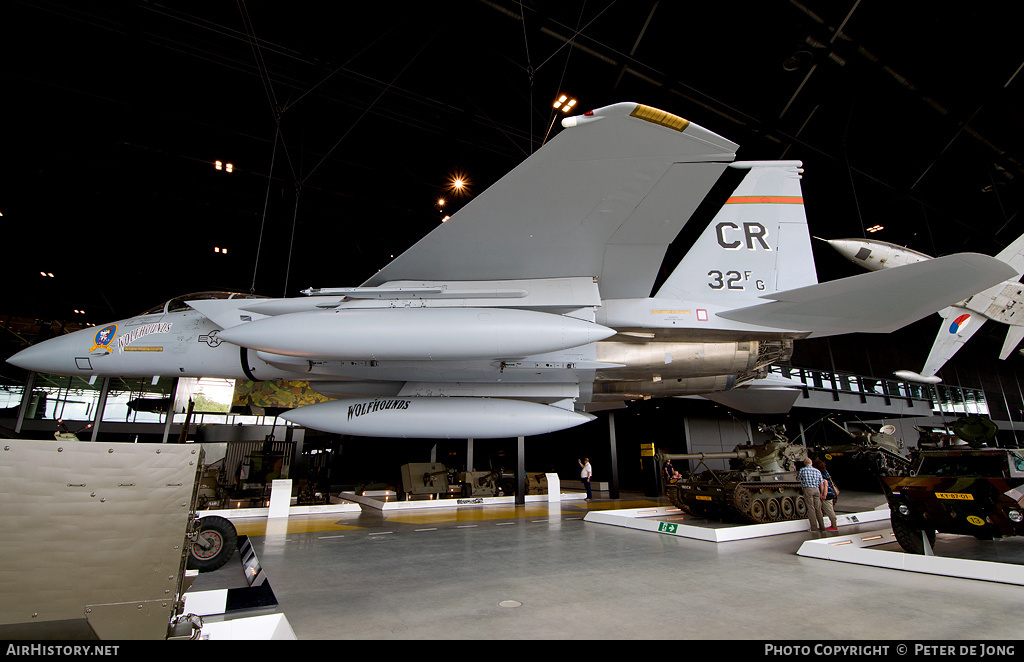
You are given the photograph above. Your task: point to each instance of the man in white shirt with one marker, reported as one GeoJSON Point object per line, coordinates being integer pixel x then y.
{"type": "Point", "coordinates": [586, 474]}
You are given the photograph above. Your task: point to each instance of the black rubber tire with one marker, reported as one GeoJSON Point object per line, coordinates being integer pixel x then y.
{"type": "Point", "coordinates": [221, 534]}
{"type": "Point", "coordinates": [909, 536]}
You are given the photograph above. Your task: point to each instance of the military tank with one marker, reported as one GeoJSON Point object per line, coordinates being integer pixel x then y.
{"type": "Point", "coordinates": [760, 486]}
{"type": "Point", "coordinates": [865, 458]}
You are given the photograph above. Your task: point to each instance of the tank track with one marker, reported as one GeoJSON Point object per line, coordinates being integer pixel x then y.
{"type": "Point", "coordinates": [752, 502]}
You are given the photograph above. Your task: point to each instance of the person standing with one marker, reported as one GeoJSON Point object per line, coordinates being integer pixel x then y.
{"type": "Point", "coordinates": [828, 506]}
{"type": "Point", "coordinates": [814, 489]}
{"type": "Point", "coordinates": [586, 474]}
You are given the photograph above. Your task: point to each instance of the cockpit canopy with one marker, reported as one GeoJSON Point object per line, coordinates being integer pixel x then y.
{"type": "Point", "coordinates": [177, 304]}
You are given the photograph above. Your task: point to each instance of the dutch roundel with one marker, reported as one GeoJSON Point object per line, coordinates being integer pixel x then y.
{"type": "Point", "coordinates": [959, 323]}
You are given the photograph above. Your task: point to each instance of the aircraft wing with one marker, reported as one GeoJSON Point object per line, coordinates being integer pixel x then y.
{"type": "Point", "coordinates": [958, 325]}
{"type": "Point", "coordinates": [878, 301]}
{"type": "Point", "coordinates": [603, 199]}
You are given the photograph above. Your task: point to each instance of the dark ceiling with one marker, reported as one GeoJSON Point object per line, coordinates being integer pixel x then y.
{"type": "Point", "coordinates": [344, 121]}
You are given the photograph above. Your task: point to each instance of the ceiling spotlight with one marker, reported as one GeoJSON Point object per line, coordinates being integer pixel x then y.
{"type": "Point", "coordinates": [564, 103]}
{"type": "Point", "coordinates": [458, 184]}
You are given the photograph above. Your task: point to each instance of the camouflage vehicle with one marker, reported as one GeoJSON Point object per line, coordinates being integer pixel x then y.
{"type": "Point", "coordinates": [968, 491]}
{"type": "Point", "coordinates": [760, 486]}
{"type": "Point", "coordinates": [867, 455]}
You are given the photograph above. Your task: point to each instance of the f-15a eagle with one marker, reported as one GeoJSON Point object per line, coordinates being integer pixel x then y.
{"type": "Point", "coordinates": [999, 303]}
{"type": "Point", "coordinates": [532, 305]}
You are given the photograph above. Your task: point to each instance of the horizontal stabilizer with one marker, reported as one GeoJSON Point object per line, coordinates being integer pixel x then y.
{"type": "Point", "coordinates": [879, 301]}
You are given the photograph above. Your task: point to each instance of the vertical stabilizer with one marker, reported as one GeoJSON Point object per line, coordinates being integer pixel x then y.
{"type": "Point", "coordinates": [757, 244]}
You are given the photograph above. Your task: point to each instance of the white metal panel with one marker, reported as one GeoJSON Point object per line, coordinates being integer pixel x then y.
{"type": "Point", "coordinates": [91, 523]}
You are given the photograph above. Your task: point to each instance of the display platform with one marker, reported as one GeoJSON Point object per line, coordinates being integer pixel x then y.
{"type": "Point", "coordinates": [669, 520]}
{"type": "Point", "coordinates": [390, 506]}
{"type": "Point", "coordinates": [218, 609]}
{"type": "Point", "coordinates": [282, 506]}
{"type": "Point", "coordinates": [859, 548]}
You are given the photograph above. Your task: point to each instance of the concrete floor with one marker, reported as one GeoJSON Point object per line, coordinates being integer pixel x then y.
{"type": "Point", "coordinates": [542, 572]}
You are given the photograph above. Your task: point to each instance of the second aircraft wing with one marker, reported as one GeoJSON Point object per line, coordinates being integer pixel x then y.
{"type": "Point", "coordinates": [879, 301]}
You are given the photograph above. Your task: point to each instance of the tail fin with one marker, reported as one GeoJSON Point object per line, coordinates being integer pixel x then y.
{"type": "Point", "coordinates": [757, 244]}
{"type": "Point", "coordinates": [958, 325]}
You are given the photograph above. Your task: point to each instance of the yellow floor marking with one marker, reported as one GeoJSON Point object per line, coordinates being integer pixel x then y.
{"type": "Point", "coordinates": [259, 527]}
{"type": "Point", "coordinates": [477, 514]}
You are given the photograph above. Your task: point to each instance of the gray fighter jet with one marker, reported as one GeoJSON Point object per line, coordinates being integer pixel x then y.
{"type": "Point", "coordinates": [999, 303]}
{"type": "Point", "coordinates": [532, 304]}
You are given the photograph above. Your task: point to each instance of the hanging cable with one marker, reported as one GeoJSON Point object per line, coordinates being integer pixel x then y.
{"type": "Point", "coordinates": [529, 69]}
{"type": "Point", "coordinates": [368, 108]}
{"type": "Point", "coordinates": [266, 202]}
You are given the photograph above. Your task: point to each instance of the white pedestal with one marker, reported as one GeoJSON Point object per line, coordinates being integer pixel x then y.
{"type": "Point", "coordinates": [280, 497]}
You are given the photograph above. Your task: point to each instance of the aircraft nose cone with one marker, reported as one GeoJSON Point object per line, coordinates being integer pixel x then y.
{"type": "Point", "coordinates": [35, 358]}
{"type": "Point", "coordinates": [846, 247]}
{"type": "Point", "coordinates": [53, 355]}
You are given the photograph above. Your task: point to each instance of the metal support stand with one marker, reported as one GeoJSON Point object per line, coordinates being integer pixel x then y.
{"type": "Point", "coordinates": [469, 455]}
{"type": "Point", "coordinates": [928, 551]}
{"type": "Point", "coordinates": [613, 486]}
{"type": "Point", "coordinates": [26, 400]}
{"type": "Point", "coordinates": [521, 472]}
{"type": "Point", "coordinates": [170, 410]}
{"type": "Point", "coordinates": [101, 406]}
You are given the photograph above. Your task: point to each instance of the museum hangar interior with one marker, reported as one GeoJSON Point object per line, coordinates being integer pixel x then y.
{"type": "Point", "coordinates": [168, 149]}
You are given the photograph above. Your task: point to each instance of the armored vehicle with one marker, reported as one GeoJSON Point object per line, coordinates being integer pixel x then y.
{"type": "Point", "coordinates": [760, 486]}
{"type": "Point", "coordinates": [867, 456]}
{"type": "Point", "coordinates": [968, 491]}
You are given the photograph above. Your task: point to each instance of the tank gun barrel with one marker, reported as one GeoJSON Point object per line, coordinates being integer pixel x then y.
{"type": "Point", "coordinates": [845, 431]}
{"type": "Point", "coordinates": [734, 455]}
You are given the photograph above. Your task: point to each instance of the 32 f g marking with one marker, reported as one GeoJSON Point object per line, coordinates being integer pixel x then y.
{"type": "Point", "coordinates": [732, 280]}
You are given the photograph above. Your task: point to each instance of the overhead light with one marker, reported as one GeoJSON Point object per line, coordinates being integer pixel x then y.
{"type": "Point", "coordinates": [458, 184]}
{"type": "Point", "coordinates": [875, 228]}
{"type": "Point", "coordinates": [564, 103]}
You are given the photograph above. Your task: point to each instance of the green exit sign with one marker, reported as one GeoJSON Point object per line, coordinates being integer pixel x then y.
{"type": "Point", "coordinates": [665, 527]}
